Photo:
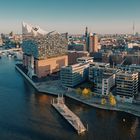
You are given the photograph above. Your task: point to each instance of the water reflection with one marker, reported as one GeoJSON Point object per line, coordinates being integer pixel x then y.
{"type": "Point", "coordinates": [134, 128]}
{"type": "Point", "coordinates": [28, 115]}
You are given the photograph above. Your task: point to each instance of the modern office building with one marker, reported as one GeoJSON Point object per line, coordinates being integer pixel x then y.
{"type": "Point", "coordinates": [102, 76]}
{"type": "Point", "coordinates": [126, 86]}
{"type": "Point", "coordinates": [74, 74]}
{"type": "Point", "coordinates": [73, 55]}
{"type": "Point", "coordinates": [86, 32]}
{"type": "Point", "coordinates": [93, 43]}
{"type": "Point", "coordinates": [133, 68]}
{"type": "Point", "coordinates": [136, 68]}
{"type": "Point", "coordinates": [44, 53]}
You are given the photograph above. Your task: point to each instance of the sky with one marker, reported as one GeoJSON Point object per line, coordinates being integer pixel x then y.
{"type": "Point", "coordinates": [72, 16]}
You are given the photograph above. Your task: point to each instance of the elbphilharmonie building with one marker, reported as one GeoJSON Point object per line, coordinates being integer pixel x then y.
{"type": "Point", "coordinates": [44, 52]}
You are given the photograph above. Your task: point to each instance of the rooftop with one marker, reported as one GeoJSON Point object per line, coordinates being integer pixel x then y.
{"type": "Point", "coordinates": [85, 58]}
{"type": "Point", "coordinates": [100, 64]}
{"type": "Point", "coordinates": [127, 73]}
{"type": "Point", "coordinates": [77, 51]}
{"type": "Point", "coordinates": [76, 65]}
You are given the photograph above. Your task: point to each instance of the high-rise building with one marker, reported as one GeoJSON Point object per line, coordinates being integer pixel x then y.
{"type": "Point", "coordinates": [133, 29]}
{"type": "Point", "coordinates": [91, 41]}
{"type": "Point", "coordinates": [86, 32]}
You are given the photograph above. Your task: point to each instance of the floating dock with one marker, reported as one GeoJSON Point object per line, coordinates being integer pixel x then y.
{"type": "Point", "coordinates": [73, 120]}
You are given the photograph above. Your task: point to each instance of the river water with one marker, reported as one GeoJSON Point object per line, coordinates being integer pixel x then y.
{"type": "Point", "coordinates": [27, 115]}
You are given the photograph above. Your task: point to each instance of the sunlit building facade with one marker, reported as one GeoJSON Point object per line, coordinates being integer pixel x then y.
{"type": "Point", "coordinates": [74, 74]}
{"type": "Point", "coordinates": [44, 53]}
{"type": "Point", "coordinates": [102, 76]}
{"type": "Point", "coordinates": [126, 86]}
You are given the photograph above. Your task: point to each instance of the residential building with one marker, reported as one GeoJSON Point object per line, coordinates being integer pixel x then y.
{"type": "Point", "coordinates": [126, 86]}
{"type": "Point", "coordinates": [136, 68]}
{"type": "Point", "coordinates": [102, 76]}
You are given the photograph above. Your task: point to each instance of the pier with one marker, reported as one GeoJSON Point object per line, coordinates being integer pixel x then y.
{"type": "Point", "coordinates": [73, 119]}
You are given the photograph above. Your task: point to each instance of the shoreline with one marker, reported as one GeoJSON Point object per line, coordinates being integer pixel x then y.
{"type": "Point", "coordinates": [117, 108]}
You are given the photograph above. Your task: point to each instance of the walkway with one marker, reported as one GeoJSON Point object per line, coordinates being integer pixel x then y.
{"type": "Point", "coordinates": [74, 120]}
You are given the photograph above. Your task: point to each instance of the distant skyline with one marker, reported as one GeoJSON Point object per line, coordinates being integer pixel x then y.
{"type": "Point", "coordinates": [72, 16]}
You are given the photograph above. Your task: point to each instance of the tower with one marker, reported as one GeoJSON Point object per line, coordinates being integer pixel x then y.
{"type": "Point", "coordinates": [86, 32]}
{"type": "Point", "coordinates": [93, 43]}
{"type": "Point", "coordinates": [133, 28]}
{"type": "Point", "coordinates": [86, 46]}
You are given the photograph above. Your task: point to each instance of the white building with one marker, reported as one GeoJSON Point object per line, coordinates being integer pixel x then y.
{"type": "Point", "coordinates": [102, 76]}
{"type": "Point", "coordinates": [107, 84]}
{"type": "Point", "coordinates": [126, 86]}
{"type": "Point", "coordinates": [131, 45]}
{"type": "Point", "coordinates": [74, 74]}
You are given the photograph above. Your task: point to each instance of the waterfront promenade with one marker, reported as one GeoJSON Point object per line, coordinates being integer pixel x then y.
{"type": "Point", "coordinates": [54, 88]}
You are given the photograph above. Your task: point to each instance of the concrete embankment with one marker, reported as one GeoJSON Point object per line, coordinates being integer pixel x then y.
{"type": "Point", "coordinates": [26, 77]}
{"type": "Point", "coordinates": [128, 109]}
{"type": "Point", "coordinates": [34, 84]}
{"type": "Point", "coordinates": [120, 109]}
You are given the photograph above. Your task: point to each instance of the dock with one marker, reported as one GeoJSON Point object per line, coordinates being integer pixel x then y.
{"type": "Point", "coordinates": [72, 119]}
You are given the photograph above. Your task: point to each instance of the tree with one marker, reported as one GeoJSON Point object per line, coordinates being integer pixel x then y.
{"type": "Point", "coordinates": [110, 94]}
{"type": "Point", "coordinates": [112, 100]}
{"type": "Point", "coordinates": [86, 92]}
{"type": "Point", "coordinates": [11, 33]}
{"type": "Point", "coordinates": [79, 91]}
{"type": "Point", "coordinates": [103, 101]}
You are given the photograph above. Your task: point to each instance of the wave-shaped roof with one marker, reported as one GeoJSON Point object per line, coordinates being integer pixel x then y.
{"type": "Point", "coordinates": [32, 30]}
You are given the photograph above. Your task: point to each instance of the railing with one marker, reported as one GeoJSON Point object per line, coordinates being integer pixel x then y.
{"type": "Point", "coordinates": [59, 105]}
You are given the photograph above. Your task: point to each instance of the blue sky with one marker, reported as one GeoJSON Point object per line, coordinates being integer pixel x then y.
{"type": "Point", "coordinates": [101, 16]}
